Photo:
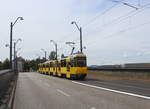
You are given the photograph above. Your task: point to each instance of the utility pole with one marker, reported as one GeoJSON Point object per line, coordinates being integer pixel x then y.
{"type": "Point", "coordinates": [45, 53]}
{"type": "Point", "coordinates": [56, 50]}
{"type": "Point", "coordinates": [80, 30]}
{"type": "Point", "coordinates": [81, 49]}
{"type": "Point", "coordinates": [55, 47]}
{"type": "Point", "coordinates": [14, 56]}
{"type": "Point", "coordinates": [11, 32]}
{"type": "Point", "coordinates": [11, 27]}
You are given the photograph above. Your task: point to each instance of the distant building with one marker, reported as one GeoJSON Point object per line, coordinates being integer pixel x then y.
{"type": "Point", "coordinates": [20, 64]}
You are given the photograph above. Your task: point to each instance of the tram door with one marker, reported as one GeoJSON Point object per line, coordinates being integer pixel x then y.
{"type": "Point", "coordinates": [56, 66]}
{"type": "Point", "coordinates": [59, 67]}
{"type": "Point", "coordinates": [68, 66]}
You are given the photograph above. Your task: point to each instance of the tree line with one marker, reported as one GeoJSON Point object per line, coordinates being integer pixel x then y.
{"type": "Point", "coordinates": [32, 65]}
{"type": "Point", "coordinates": [4, 64]}
{"type": "Point", "coordinates": [29, 65]}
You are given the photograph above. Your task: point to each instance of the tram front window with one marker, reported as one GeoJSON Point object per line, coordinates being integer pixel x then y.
{"type": "Point", "coordinates": [81, 62]}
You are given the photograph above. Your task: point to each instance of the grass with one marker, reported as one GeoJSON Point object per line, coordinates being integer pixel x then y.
{"type": "Point", "coordinates": [119, 75]}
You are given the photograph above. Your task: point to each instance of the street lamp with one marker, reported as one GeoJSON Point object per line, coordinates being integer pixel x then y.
{"type": "Point", "coordinates": [15, 53]}
{"type": "Point", "coordinates": [15, 43]}
{"type": "Point", "coordinates": [7, 45]}
{"type": "Point", "coordinates": [44, 53]}
{"type": "Point", "coordinates": [55, 46]}
{"type": "Point", "coordinates": [80, 30]}
{"type": "Point", "coordinates": [11, 32]}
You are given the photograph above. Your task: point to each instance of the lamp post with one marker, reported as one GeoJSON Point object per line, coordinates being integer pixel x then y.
{"type": "Point", "coordinates": [11, 33]}
{"type": "Point", "coordinates": [55, 46]}
{"type": "Point", "coordinates": [15, 54]}
{"type": "Point", "coordinates": [80, 30]}
{"type": "Point", "coordinates": [44, 53]}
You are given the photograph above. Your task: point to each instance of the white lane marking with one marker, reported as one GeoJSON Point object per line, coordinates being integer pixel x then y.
{"type": "Point", "coordinates": [111, 90]}
{"type": "Point", "coordinates": [122, 85]}
{"type": "Point", "coordinates": [62, 92]}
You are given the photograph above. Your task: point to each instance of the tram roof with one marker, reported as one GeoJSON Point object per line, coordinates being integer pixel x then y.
{"type": "Point", "coordinates": [77, 55]}
{"type": "Point", "coordinates": [70, 56]}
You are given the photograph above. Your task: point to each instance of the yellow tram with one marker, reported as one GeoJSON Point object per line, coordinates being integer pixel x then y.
{"type": "Point", "coordinates": [72, 67]}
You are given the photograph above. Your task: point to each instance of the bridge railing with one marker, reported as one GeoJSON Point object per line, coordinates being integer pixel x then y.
{"type": "Point", "coordinates": [4, 71]}
{"type": "Point", "coordinates": [6, 79]}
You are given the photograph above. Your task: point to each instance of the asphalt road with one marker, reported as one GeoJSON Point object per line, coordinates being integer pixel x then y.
{"type": "Point", "coordinates": [36, 91]}
{"type": "Point", "coordinates": [130, 86]}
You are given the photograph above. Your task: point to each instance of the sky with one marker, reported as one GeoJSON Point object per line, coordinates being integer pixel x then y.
{"type": "Point", "coordinates": [113, 33]}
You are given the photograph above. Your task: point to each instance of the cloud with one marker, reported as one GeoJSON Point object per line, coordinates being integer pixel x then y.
{"type": "Point", "coordinates": [50, 19]}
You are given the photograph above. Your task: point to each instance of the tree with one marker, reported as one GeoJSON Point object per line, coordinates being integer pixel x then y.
{"type": "Point", "coordinates": [1, 65]}
{"type": "Point", "coordinates": [6, 64]}
{"type": "Point", "coordinates": [32, 64]}
{"type": "Point", "coordinates": [63, 56]}
{"type": "Point", "coordinates": [26, 65]}
{"type": "Point", "coordinates": [52, 55]}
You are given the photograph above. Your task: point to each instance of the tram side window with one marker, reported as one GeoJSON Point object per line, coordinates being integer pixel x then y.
{"type": "Point", "coordinates": [72, 63]}
{"type": "Point", "coordinates": [63, 63]}
{"type": "Point", "coordinates": [50, 65]}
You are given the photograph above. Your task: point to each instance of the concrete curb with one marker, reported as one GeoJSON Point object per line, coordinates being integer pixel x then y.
{"type": "Point", "coordinates": [12, 96]}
